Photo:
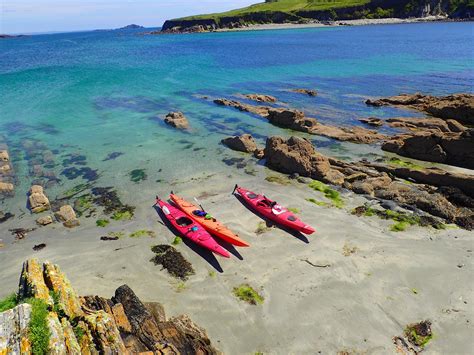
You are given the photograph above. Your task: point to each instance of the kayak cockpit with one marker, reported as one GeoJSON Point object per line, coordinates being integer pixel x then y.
{"type": "Point", "coordinates": [184, 221]}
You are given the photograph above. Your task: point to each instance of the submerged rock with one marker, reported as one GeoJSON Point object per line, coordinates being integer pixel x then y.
{"type": "Point", "coordinates": [244, 143]}
{"type": "Point", "coordinates": [308, 92]}
{"type": "Point", "coordinates": [177, 120]}
{"type": "Point", "coordinates": [372, 121]}
{"type": "Point", "coordinates": [458, 107]}
{"type": "Point", "coordinates": [261, 98]}
{"type": "Point", "coordinates": [67, 216]}
{"type": "Point", "coordinates": [6, 187]}
{"type": "Point", "coordinates": [426, 124]}
{"type": "Point", "coordinates": [44, 221]}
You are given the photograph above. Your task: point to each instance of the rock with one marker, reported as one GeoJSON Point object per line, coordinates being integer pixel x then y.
{"type": "Point", "coordinates": [67, 301]}
{"type": "Point", "coordinates": [120, 318]}
{"type": "Point", "coordinates": [259, 153]}
{"type": "Point", "coordinates": [157, 310]}
{"type": "Point", "coordinates": [70, 340]}
{"type": "Point", "coordinates": [6, 187]}
{"type": "Point", "coordinates": [57, 344]}
{"type": "Point", "coordinates": [44, 221]}
{"type": "Point", "coordinates": [67, 216]}
{"type": "Point", "coordinates": [258, 110]}
{"type": "Point", "coordinates": [261, 98]}
{"type": "Point", "coordinates": [32, 282]}
{"type": "Point", "coordinates": [14, 330]}
{"type": "Point", "coordinates": [177, 120]}
{"type": "Point", "coordinates": [39, 247]}
{"type": "Point", "coordinates": [38, 201]}
{"type": "Point", "coordinates": [308, 92]}
{"type": "Point", "coordinates": [105, 333]}
{"type": "Point", "coordinates": [4, 156]}
{"type": "Point", "coordinates": [458, 107]}
{"type": "Point", "coordinates": [372, 121]}
{"type": "Point", "coordinates": [244, 143]}
{"type": "Point", "coordinates": [426, 124]}
{"type": "Point", "coordinates": [448, 148]}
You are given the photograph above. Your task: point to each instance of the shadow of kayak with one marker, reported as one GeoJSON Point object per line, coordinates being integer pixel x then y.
{"type": "Point", "coordinates": [202, 252]}
{"type": "Point", "coordinates": [296, 234]}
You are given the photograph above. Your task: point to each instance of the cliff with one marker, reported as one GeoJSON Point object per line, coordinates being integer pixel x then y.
{"type": "Point", "coordinates": [47, 316]}
{"type": "Point", "coordinates": [301, 11]}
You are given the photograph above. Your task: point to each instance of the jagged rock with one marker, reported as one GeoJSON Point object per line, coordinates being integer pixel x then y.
{"type": "Point", "coordinates": [459, 107]}
{"type": "Point", "coordinates": [67, 216]}
{"type": "Point", "coordinates": [261, 98]}
{"type": "Point", "coordinates": [448, 148]}
{"type": "Point", "coordinates": [105, 333]}
{"type": "Point", "coordinates": [426, 124]}
{"type": "Point", "coordinates": [38, 200]}
{"type": "Point", "coordinates": [308, 92]}
{"type": "Point", "coordinates": [157, 310]}
{"type": "Point", "coordinates": [177, 120]}
{"type": "Point", "coordinates": [372, 121]}
{"type": "Point", "coordinates": [67, 301]}
{"type": "Point", "coordinates": [258, 110]}
{"type": "Point", "coordinates": [44, 221]}
{"type": "Point", "coordinates": [120, 318]}
{"type": "Point", "coordinates": [14, 330]}
{"type": "Point", "coordinates": [32, 282]}
{"type": "Point", "coordinates": [57, 344]}
{"type": "Point", "coordinates": [70, 340]}
{"type": "Point", "coordinates": [244, 143]}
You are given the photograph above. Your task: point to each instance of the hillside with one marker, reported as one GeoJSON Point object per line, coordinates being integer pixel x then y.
{"type": "Point", "coordinates": [301, 11]}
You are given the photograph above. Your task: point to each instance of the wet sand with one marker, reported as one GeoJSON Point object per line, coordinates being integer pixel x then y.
{"type": "Point", "coordinates": [358, 303]}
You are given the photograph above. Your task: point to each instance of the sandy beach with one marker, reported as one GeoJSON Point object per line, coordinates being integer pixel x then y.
{"type": "Point", "coordinates": [367, 285]}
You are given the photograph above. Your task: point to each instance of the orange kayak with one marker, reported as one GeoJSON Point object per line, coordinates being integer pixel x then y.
{"type": "Point", "coordinates": [209, 223]}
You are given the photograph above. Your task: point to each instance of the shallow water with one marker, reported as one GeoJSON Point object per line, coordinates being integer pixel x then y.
{"type": "Point", "coordinates": [98, 93]}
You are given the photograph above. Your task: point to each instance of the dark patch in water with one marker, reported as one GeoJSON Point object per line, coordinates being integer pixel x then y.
{"type": "Point", "coordinates": [47, 128]}
{"type": "Point", "coordinates": [113, 156]}
{"type": "Point", "coordinates": [75, 159]}
{"type": "Point", "coordinates": [238, 162]}
{"type": "Point", "coordinates": [108, 198]}
{"type": "Point", "coordinates": [138, 175]}
{"type": "Point", "coordinates": [5, 216]}
{"type": "Point", "coordinates": [86, 173]}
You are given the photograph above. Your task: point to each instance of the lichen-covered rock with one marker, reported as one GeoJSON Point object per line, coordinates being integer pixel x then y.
{"type": "Point", "coordinates": [67, 300]}
{"type": "Point", "coordinates": [38, 200]}
{"type": "Point", "coordinates": [44, 221]}
{"type": "Point", "coordinates": [244, 143]}
{"type": "Point", "coordinates": [57, 345]}
{"type": "Point", "coordinates": [177, 120]}
{"type": "Point", "coordinates": [32, 282]}
{"type": "Point", "coordinates": [67, 216]}
{"type": "Point", "coordinates": [70, 340]}
{"type": "Point", "coordinates": [105, 333]}
{"type": "Point", "coordinates": [14, 330]}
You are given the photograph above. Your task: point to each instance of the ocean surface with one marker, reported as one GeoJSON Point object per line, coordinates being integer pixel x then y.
{"type": "Point", "coordinates": [88, 107]}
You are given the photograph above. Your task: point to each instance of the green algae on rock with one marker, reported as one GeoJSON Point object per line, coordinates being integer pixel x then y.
{"type": "Point", "coordinates": [329, 193]}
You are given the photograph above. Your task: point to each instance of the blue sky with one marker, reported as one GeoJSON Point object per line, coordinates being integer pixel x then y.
{"type": "Point", "coordinates": [28, 16]}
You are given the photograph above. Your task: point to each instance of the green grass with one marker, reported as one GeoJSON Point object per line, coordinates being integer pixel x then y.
{"type": "Point", "coordinates": [102, 223]}
{"type": "Point", "coordinates": [287, 6]}
{"type": "Point", "coordinates": [38, 331]}
{"type": "Point", "coordinates": [177, 241]}
{"type": "Point", "coordinates": [142, 233]}
{"type": "Point", "coordinates": [329, 193]}
{"type": "Point", "coordinates": [8, 302]}
{"type": "Point", "coordinates": [246, 293]}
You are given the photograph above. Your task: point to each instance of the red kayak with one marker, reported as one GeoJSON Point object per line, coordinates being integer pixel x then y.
{"type": "Point", "coordinates": [190, 229]}
{"type": "Point", "coordinates": [272, 211]}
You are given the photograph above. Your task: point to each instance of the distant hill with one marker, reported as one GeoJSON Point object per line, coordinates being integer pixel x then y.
{"type": "Point", "coordinates": [281, 11]}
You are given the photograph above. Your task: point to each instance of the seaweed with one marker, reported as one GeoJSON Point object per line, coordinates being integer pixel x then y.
{"type": "Point", "coordinates": [262, 227]}
{"type": "Point", "coordinates": [39, 247]}
{"type": "Point", "coordinates": [294, 210]}
{"type": "Point", "coordinates": [108, 198]}
{"type": "Point", "coordinates": [246, 293]}
{"type": "Point", "coordinates": [5, 216]}
{"type": "Point", "coordinates": [177, 241]}
{"type": "Point", "coordinates": [277, 179]}
{"type": "Point", "coordinates": [316, 202]}
{"type": "Point", "coordinates": [419, 334]}
{"type": "Point", "coordinates": [102, 223]}
{"type": "Point", "coordinates": [113, 156]}
{"type": "Point", "coordinates": [329, 193]}
{"type": "Point", "coordinates": [142, 233]}
{"type": "Point", "coordinates": [172, 260]}
{"type": "Point", "coordinates": [404, 164]}
{"type": "Point", "coordinates": [138, 175]}
{"type": "Point", "coordinates": [86, 173]}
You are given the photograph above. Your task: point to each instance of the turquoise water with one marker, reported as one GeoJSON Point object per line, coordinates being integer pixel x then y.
{"type": "Point", "coordinates": [96, 93]}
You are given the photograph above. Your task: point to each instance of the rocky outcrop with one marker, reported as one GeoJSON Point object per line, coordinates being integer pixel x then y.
{"type": "Point", "coordinates": [308, 92]}
{"type": "Point", "coordinates": [459, 107]}
{"type": "Point", "coordinates": [177, 120]}
{"type": "Point", "coordinates": [244, 143]}
{"type": "Point", "coordinates": [6, 172]}
{"type": "Point", "coordinates": [297, 155]}
{"type": "Point", "coordinates": [92, 324]}
{"type": "Point", "coordinates": [372, 121]}
{"type": "Point", "coordinates": [38, 202]}
{"type": "Point", "coordinates": [426, 124]}
{"type": "Point", "coordinates": [67, 216]}
{"type": "Point", "coordinates": [261, 98]}
{"type": "Point", "coordinates": [258, 110]}
{"type": "Point", "coordinates": [448, 148]}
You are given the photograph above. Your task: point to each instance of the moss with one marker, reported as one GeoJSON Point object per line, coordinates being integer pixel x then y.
{"type": "Point", "coordinates": [38, 330]}
{"type": "Point", "coordinates": [404, 164]}
{"type": "Point", "coordinates": [246, 293]}
{"type": "Point", "coordinates": [8, 302]}
{"type": "Point", "coordinates": [316, 202]}
{"type": "Point", "coordinates": [142, 233]}
{"type": "Point", "coordinates": [102, 223]}
{"type": "Point", "coordinates": [56, 297]}
{"type": "Point", "coordinates": [262, 228]}
{"type": "Point", "coordinates": [399, 226]}
{"type": "Point", "coordinates": [329, 193]}
{"type": "Point", "coordinates": [138, 175]}
{"type": "Point", "coordinates": [281, 180]}
{"type": "Point", "coordinates": [419, 334]}
{"type": "Point", "coordinates": [79, 333]}
{"type": "Point", "coordinates": [122, 216]}
{"type": "Point", "coordinates": [294, 210]}
{"type": "Point", "coordinates": [177, 241]}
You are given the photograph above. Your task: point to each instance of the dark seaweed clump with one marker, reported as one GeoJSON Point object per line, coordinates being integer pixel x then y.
{"type": "Point", "coordinates": [172, 260]}
{"type": "Point", "coordinates": [75, 159]}
{"type": "Point", "coordinates": [113, 156]}
{"type": "Point", "coordinates": [238, 162]}
{"type": "Point", "coordinates": [5, 216]}
{"type": "Point", "coordinates": [86, 173]}
{"type": "Point", "coordinates": [138, 175]}
{"type": "Point", "coordinates": [108, 198]}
